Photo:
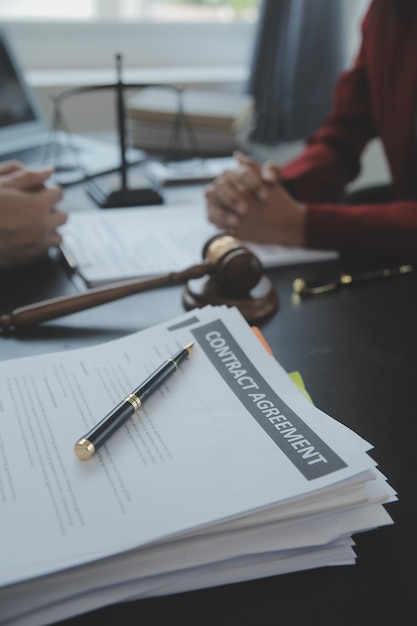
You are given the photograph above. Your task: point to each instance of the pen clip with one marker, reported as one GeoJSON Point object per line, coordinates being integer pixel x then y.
{"type": "Point", "coordinates": [301, 288]}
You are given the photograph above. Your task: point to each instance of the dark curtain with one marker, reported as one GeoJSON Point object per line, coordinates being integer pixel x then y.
{"type": "Point", "coordinates": [299, 52]}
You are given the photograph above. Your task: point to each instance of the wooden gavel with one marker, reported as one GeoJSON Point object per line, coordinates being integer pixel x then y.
{"type": "Point", "coordinates": [227, 261]}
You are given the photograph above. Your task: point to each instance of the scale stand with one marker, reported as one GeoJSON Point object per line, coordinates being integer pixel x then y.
{"type": "Point", "coordinates": [106, 197]}
{"type": "Point", "coordinates": [107, 193]}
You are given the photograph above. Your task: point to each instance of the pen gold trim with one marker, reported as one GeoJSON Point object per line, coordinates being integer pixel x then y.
{"type": "Point", "coordinates": [303, 287]}
{"type": "Point", "coordinates": [87, 445]}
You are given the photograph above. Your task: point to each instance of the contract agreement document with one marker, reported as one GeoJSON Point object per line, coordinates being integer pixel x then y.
{"type": "Point", "coordinates": [226, 473]}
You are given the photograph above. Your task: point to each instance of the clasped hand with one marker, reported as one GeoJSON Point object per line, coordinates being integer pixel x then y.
{"type": "Point", "coordinates": [251, 204]}
{"type": "Point", "coordinates": [28, 216]}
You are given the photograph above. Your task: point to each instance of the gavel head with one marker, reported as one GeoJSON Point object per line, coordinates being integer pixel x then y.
{"type": "Point", "coordinates": [235, 268]}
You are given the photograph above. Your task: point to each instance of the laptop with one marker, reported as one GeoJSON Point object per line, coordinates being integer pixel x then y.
{"type": "Point", "coordinates": [26, 136]}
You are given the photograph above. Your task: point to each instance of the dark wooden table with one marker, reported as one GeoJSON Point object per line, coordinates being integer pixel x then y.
{"type": "Point", "coordinates": [356, 351]}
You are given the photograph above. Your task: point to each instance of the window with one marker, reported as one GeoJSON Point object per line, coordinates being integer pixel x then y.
{"type": "Point", "coordinates": [86, 34]}
{"type": "Point", "coordinates": [142, 10]}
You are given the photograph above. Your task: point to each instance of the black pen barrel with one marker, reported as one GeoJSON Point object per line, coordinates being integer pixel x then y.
{"type": "Point", "coordinates": [110, 423]}
{"type": "Point", "coordinates": [85, 447]}
{"type": "Point", "coordinates": [158, 377]}
{"type": "Point", "coordinates": [312, 287]}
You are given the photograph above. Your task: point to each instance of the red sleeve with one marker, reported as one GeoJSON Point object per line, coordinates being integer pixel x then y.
{"type": "Point", "coordinates": [389, 230]}
{"type": "Point", "coordinates": [331, 157]}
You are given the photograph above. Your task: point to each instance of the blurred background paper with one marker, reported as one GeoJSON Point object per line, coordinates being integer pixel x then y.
{"type": "Point", "coordinates": [118, 244]}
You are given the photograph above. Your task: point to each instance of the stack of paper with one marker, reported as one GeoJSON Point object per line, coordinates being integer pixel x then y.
{"type": "Point", "coordinates": [227, 473]}
{"type": "Point", "coordinates": [185, 171]}
{"type": "Point", "coordinates": [194, 122]}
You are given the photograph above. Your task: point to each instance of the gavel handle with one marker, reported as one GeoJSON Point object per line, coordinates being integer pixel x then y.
{"type": "Point", "coordinates": [64, 305]}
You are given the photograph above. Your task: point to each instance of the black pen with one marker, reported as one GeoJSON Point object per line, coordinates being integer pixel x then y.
{"type": "Point", "coordinates": [85, 447]}
{"type": "Point", "coordinates": [306, 288]}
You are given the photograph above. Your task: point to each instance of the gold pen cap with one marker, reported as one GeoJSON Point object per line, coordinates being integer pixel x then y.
{"type": "Point", "coordinates": [84, 449]}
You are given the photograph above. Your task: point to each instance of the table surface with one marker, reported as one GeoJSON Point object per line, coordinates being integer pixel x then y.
{"type": "Point", "coordinates": [356, 351]}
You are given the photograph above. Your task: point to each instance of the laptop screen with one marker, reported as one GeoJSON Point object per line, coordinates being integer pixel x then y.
{"type": "Point", "coordinates": [21, 115]}
{"type": "Point", "coordinates": [14, 107]}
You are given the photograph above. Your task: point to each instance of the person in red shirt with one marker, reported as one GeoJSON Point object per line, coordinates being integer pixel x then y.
{"type": "Point", "coordinates": [303, 202]}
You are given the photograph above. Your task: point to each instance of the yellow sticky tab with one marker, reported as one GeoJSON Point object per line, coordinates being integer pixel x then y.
{"type": "Point", "coordinates": [297, 379]}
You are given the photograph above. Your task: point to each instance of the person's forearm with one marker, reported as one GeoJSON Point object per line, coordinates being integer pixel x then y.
{"type": "Point", "coordinates": [317, 175]}
{"type": "Point", "coordinates": [388, 230]}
